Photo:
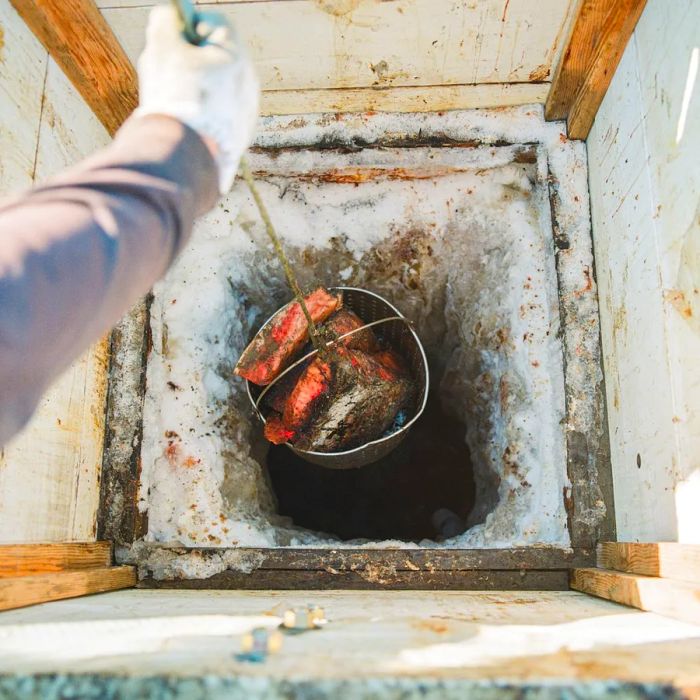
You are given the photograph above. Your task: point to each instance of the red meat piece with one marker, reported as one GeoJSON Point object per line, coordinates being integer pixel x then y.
{"type": "Point", "coordinates": [314, 383]}
{"type": "Point", "coordinates": [277, 342]}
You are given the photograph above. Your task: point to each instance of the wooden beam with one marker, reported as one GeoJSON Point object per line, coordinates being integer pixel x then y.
{"type": "Point", "coordinates": [597, 41]}
{"type": "Point", "coordinates": [663, 596]}
{"type": "Point", "coordinates": [663, 559]}
{"type": "Point", "coordinates": [78, 38]}
{"type": "Point", "coordinates": [29, 590]}
{"type": "Point", "coordinates": [28, 559]}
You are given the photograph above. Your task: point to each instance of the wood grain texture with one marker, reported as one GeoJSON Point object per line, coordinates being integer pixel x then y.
{"type": "Point", "coordinates": [29, 590]}
{"type": "Point", "coordinates": [676, 599]}
{"type": "Point", "coordinates": [663, 559]}
{"type": "Point", "coordinates": [645, 189]}
{"type": "Point", "coordinates": [22, 73]}
{"type": "Point", "coordinates": [50, 472]}
{"type": "Point", "coordinates": [595, 46]}
{"type": "Point", "coordinates": [385, 639]}
{"type": "Point", "coordinates": [29, 559]}
{"type": "Point", "coordinates": [78, 38]}
{"type": "Point", "coordinates": [333, 44]}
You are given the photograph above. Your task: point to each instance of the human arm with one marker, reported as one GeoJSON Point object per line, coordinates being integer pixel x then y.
{"type": "Point", "coordinates": [78, 251]}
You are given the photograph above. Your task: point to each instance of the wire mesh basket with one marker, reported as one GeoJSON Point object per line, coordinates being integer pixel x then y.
{"type": "Point", "coordinates": [396, 330]}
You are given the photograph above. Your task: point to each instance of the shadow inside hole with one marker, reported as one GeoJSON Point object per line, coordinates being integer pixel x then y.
{"type": "Point", "coordinates": [396, 497]}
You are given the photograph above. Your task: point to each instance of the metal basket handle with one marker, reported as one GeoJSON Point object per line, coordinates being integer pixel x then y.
{"type": "Point", "coordinates": [315, 352]}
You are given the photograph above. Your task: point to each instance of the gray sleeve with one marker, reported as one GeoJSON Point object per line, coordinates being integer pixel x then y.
{"type": "Point", "coordinates": [77, 252]}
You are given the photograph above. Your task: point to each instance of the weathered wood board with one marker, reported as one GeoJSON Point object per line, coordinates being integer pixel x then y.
{"type": "Point", "coordinates": [49, 474]}
{"type": "Point", "coordinates": [664, 559]}
{"type": "Point", "coordinates": [339, 45]}
{"type": "Point", "coordinates": [28, 559]}
{"type": "Point", "coordinates": [380, 641]}
{"type": "Point", "coordinates": [676, 599]}
{"type": "Point", "coordinates": [17, 592]}
{"type": "Point", "coordinates": [595, 45]}
{"type": "Point", "coordinates": [645, 188]}
{"type": "Point", "coordinates": [22, 70]}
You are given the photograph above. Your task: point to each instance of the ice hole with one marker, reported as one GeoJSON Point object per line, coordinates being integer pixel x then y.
{"type": "Point", "coordinates": [460, 240]}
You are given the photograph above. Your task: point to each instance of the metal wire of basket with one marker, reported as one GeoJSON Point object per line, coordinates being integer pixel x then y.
{"type": "Point", "coordinates": [399, 334]}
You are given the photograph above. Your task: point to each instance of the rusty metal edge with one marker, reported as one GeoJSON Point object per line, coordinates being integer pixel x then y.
{"type": "Point", "coordinates": [118, 517]}
{"type": "Point", "coordinates": [373, 578]}
{"type": "Point", "coordinates": [425, 560]}
{"type": "Point", "coordinates": [589, 466]}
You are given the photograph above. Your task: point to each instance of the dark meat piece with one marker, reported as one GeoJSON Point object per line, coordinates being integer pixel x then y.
{"type": "Point", "coordinates": [365, 397]}
{"type": "Point", "coordinates": [359, 413]}
{"type": "Point", "coordinates": [275, 345]}
{"type": "Point", "coordinates": [344, 321]}
{"type": "Point", "coordinates": [392, 361]}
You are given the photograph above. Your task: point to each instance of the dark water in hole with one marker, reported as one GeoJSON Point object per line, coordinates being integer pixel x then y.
{"type": "Point", "coordinates": [394, 498]}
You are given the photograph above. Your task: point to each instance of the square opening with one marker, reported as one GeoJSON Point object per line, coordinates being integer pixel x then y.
{"type": "Point", "coordinates": [476, 226]}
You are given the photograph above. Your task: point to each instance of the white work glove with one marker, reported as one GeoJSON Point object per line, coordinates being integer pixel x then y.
{"type": "Point", "coordinates": [212, 87]}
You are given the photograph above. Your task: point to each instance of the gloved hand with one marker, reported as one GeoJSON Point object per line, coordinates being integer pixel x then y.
{"type": "Point", "coordinates": [212, 87]}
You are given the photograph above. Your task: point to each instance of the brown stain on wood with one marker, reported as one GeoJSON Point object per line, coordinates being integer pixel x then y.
{"type": "Point", "coordinates": [540, 73]}
{"type": "Point", "coordinates": [678, 301]}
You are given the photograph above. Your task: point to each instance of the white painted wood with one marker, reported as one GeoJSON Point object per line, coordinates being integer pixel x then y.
{"type": "Point", "coordinates": [22, 69]}
{"type": "Point", "coordinates": [644, 197]}
{"type": "Point", "coordinates": [509, 636]}
{"type": "Point", "coordinates": [49, 474]}
{"type": "Point", "coordinates": [317, 44]}
{"type": "Point", "coordinates": [436, 98]}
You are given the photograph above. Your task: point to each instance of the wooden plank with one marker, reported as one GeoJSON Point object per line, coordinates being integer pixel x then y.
{"type": "Point", "coordinates": [383, 44]}
{"type": "Point", "coordinates": [676, 599]}
{"type": "Point", "coordinates": [596, 43]}
{"type": "Point", "coordinates": [29, 590]}
{"type": "Point", "coordinates": [663, 559]}
{"type": "Point", "coordinates": [516, 640]}
{"type": "Point", "coordinates": [644, 187]}
{"type": "Point", "coordinates": [666, 39]}
{"type": "Point", "coordinates": [50, 473]}
{"type": "Point", "coordinates": [434, 98]}
{"type": "Point", "coordinates": [28, 559]}
{"type": "Point", "coordinates": [22, 72]}
{"type": "Point", "coordinates": [78, 38]}
{"type": "Point", "coordinates": [373, 578]}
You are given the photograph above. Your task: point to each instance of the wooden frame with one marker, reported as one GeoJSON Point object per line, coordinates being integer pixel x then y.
{"type": "Point", "coordinates": [595, 46]}
{"type": "Point", "coordinates": [535, 567]}
{"type": "Point", "coordinates": [39, 573]}
{"type": "Point", "coordinates": [660, 577]}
